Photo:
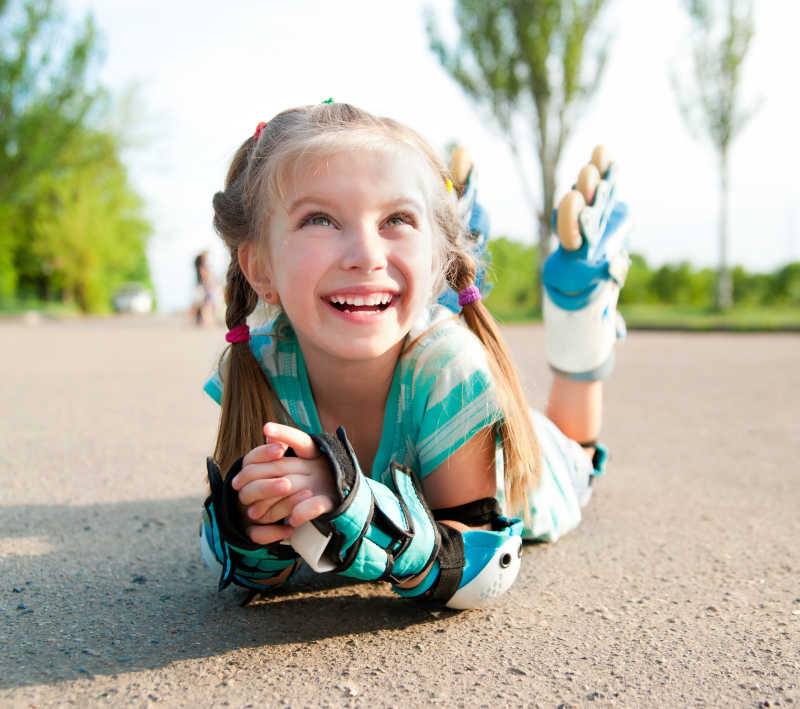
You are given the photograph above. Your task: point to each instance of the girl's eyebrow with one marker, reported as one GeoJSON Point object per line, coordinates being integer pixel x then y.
{"type": "Point", "coordinates": [317, 201]}
{"type": "Point", "coordinates": [307, 200]}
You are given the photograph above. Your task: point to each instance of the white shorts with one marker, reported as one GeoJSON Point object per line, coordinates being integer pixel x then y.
{"type": "Point", "coordinates": [555, 508]}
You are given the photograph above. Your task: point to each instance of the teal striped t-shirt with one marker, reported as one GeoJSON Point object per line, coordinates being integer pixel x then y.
{"type": "Point", "coordinates": [441, 393]}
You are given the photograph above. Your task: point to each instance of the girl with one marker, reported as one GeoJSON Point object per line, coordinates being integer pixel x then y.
{"type": "Point", "coordinates": [346, 225]}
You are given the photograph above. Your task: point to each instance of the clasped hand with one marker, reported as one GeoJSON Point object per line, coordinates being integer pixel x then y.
{"type": "Point", "coordinates": [276, 493]}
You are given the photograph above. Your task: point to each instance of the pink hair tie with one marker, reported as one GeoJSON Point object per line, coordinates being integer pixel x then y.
{"type": "Point", "coordinates": [469, 295]}
{"type": "Point", "coordinates": [240, 333]}
{"type": "Point", "coordinates": [259, 128]}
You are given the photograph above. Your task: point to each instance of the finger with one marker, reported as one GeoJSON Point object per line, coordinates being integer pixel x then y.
{"type": "Point", "coordinates": [259, 471]}
{"type": "Point", "coordinates": [299, 440]}
{"type": "Point", "coordinates": [269, 491]}
{"type": "Point", "coordinates": [269, 533]}
{"type": "Point", "coordinates": [310, 509]}
{"type": "Point", "coordinates": [270, 512]}
{"type": "Point", "coordinates": [283, 468]}
{"type": "Point", "coordinates": [271, 450]}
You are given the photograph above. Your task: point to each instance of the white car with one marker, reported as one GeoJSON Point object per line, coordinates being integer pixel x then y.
{"type": "Point", "coordinates": [132, 298]}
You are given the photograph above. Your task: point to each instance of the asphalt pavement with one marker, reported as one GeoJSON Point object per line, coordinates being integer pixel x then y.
{"type": "Point", "coordinates": [680, 588]}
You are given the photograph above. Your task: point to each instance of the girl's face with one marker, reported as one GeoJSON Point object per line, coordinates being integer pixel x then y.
{"type": "Point", "coordinates": [351, 252]}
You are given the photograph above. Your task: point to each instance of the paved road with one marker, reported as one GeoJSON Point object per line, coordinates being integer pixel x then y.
{"type": "Point", "coordinates": [681, 587]}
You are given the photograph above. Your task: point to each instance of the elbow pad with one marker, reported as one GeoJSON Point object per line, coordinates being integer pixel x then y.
{"type": "Point", "coordinates": [374, 533]}
{"type": "Point", "coordinates": [223, 543]}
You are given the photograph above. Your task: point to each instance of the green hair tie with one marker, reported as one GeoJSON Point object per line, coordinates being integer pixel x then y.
{"type": "Point", "coordinates": [328, 100]}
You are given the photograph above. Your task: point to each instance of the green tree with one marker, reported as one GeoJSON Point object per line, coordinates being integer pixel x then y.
{"type": "Point", "coordinates": [43, 100]}
{"type": "Point", "coordinates": [90, 232]}
{"type": "Point", "coordinates": [511, 296]}
{"type": "Point", "coordinates": [534, 64]}
{"type": "Point", "coordinates": [71, 227]}
{"type": "Point", "coordinates": [711, 101]}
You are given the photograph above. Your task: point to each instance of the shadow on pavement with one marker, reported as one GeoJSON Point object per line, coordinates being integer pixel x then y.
{"type": "Point", "coordinates": [110, 588]}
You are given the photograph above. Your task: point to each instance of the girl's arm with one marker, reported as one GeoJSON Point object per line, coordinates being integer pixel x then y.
{"type": "Point", "coordinates": [467, 475]}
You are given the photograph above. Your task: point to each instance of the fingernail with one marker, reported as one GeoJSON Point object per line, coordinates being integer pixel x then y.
{"type": "Point", "coordinates": [234, 482]}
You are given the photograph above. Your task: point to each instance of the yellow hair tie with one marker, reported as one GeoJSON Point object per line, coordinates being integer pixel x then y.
{"type": "Point", "coordinates": [448, 183]}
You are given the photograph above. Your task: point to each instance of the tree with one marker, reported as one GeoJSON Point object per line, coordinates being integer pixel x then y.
{"type": "Point", "coordinates": [43, 100]}
{"type": "Point", "coordinates": [534, 64]}
{"type": "Point", "coordinates": [90, 232]}
{"type": "Point", "coordinates": [711, 103]}
{"type": "Point", "coordinates": [71, 227]}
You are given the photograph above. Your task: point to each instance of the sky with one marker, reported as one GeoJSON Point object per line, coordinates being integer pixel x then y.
{"type": "Point", "coordinates": [205, 77]}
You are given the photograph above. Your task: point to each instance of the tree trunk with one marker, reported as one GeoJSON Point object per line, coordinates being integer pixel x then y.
{"type": "Point", "coordinates": [548, 171]}
{"type": "Point", "coordinates": [724, 299]}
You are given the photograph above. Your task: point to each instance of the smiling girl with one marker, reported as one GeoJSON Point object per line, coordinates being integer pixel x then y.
{"type": "Point", "coordinates": [346, 225]}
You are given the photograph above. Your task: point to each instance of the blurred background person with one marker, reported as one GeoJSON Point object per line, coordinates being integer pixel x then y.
{"type": "Point", "coordinates": [208, 299]}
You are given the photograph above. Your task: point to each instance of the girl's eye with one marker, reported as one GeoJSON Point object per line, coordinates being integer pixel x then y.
{"type": "Point", "coordinates": [400, 219]}
{"type": "Point", "coordinates": [317, 220]}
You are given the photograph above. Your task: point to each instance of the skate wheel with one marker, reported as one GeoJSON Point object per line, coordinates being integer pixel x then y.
{"type": "Point", "coordinates": [587, 181]}
{"type": "Point", "coordinates": [601, 159]}
{"type": "Point", "coordinates": [569, 233]}
{"type": "Point", "coordinates": [460, 167]}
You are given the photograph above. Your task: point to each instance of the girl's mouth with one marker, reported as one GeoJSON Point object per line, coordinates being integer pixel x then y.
{"type": "Point", "coordinates": [352, 303]}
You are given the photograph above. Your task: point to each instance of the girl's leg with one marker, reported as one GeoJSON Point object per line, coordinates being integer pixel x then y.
{"type": "Point", "coordinates": [576, 408]}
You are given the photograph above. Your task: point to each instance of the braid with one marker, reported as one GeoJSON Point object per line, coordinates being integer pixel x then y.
{"type": "Point", "coordinates": [240, 298]}
{"type": "Point", "coordinates": [248, 399]}
{"type": "Point", "coordinates": [521, 456]}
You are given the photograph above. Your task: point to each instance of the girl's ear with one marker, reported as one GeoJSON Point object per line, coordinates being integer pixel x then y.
{"type": "Point", "coordinates": [255, 269]}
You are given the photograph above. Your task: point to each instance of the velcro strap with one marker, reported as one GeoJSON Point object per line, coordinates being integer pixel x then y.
{"type": "Point", "coordinates": [473, 514]}
{"type": "Point", "coordinates": [451, 564]}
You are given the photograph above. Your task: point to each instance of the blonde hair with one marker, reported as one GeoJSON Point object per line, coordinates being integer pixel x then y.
{"type": "Point", "coordinates": [255, 182]}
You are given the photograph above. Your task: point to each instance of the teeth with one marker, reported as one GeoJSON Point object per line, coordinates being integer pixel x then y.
{"type": "Point", "coordinates": [368, 300]}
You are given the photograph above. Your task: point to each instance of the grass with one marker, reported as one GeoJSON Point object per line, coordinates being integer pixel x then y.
{"type": "Point", "coordinates": [16, 307]}
{"type": "Point", "coordinates": [741, 318]}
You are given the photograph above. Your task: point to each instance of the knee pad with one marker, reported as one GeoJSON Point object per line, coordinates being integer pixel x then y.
{"type": "Point", "coordinates": [375, 533]}
{"type": "Point", "coordinates": [222, 543]}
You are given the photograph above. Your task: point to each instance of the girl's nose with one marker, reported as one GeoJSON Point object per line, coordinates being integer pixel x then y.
{"type": "Point", "coordinates": [365, 249]}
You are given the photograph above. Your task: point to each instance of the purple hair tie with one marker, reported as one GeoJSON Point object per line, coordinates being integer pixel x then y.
{"type": "Point", "coordinates": [240, 333]}
{"type": "Point", "coordinates": [469, 295]}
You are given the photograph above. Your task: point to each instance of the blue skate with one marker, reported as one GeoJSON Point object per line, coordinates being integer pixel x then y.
{"type": "Point", "coordinates": [583, 277]}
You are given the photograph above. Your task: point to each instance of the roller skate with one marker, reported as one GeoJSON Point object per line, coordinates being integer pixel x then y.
{"type": "Point", "coordinates": [583, 277]}
{"type": "Point", "coordinates": [474, 221]}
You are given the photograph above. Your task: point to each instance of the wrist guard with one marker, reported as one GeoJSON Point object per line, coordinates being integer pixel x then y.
{"type": "Point", "coordinates": [374, 533]}
{"type": "Point", "coordinates": [223, 542]}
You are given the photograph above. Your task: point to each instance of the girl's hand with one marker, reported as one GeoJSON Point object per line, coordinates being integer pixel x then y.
{"type": "Point", "coordinates": [273, 487]}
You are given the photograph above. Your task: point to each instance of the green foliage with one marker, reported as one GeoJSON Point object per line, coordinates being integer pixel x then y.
{"type": "Point", "coordinates": [71, 227]}
{"type": "Point", "coordinates": [678, 288]}
{"type": "Point", "coordinates": [511, 273]}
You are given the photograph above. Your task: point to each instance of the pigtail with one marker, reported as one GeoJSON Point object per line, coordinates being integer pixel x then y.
{"type": "Point", "coordinates": [521, 455]}
{"type": "Point", "coordinates": [248, 399]}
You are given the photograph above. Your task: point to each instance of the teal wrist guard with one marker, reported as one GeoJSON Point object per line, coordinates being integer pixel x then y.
{"type": "Point", "coordinates": [374, 533]}
{"type": "Point", "coordinates": [223, 543]}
